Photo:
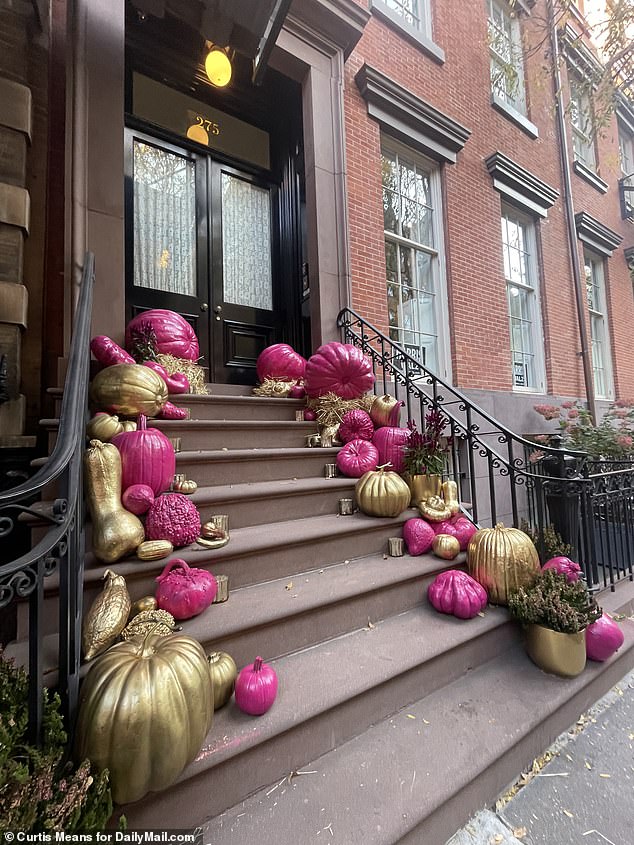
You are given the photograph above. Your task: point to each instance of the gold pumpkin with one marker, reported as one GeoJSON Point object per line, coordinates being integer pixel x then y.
{"type": "Point", "coordinates": [446, 546]}
{"type": "Point", "coordinates": [434, 509]}
{"type": "Point", "coordinates": [224, 672]}
{"type": "Point", "coordinates": [129, 390]}
{"type": "Point", "coordinates": [382, 409]}
{"type": "Point", "coordinates": [107, 616]}
{"type": "Point", "coordinates": [502, 560]}
{"type": "Point", "coordinates": [382, 493]}
{"type": "Point", "coordinates": [103, 427]}
{"type": "Point", "coordinates": [141, 605]}
{"type": "Point", "coordinates": [145, 708]}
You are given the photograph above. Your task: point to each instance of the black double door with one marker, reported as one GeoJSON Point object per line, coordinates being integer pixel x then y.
{"type": "Point", "coordinates": [203, 239]}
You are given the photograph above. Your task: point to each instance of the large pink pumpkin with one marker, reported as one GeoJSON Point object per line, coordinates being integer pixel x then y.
{"type": "Point", "coordinates": [459, 527]}
{"type": "Point", "coordinates": [418, 535]}
{"type": "Point", "coordinates": [338, 368]}
{"type": "Point", "coordinates": [357, 457]}
{"type": "Point", "coordinates": [458, 594]}
{"type": "Point", "coordinates": [356, 425]}
{"type": "Point", "coordinates": [174, 335]}
{"type": "Point", "coordinates": [603, 638]}
{"type": "Point", "coordinates": [147, 457]}
{"type": "Point", "coordinates": [390, 442]}
{"type": "Point", "coordinates": [280, 361]}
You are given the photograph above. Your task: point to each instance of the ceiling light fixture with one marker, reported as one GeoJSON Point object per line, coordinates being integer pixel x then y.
{"type": "Point", "coordinates": [218, 66]}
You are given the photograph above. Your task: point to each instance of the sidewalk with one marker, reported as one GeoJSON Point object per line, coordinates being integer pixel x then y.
{"type": "Point", "coordinates": [580, 792]}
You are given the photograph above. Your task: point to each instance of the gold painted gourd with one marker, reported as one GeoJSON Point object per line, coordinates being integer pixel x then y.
{"type": "Point", "coordinates": [154, 549]}
{"type": "Point", "coordinates": [115, 531]}
{"type": "Point", "coordinates": [129, 390]}
{"type": "Point", "coordinates": [382, 493]}
{"type": "Point", "coordinates": [502, 560]}
{"type": "Point", "coordinates": [103, 427]}
{"type": "Point", "coordinates": [450, 496]}
{"type": "Point", "coordinates": [143, 604]}
{"type": "Point", "coordinates": [145, 708]}
{"type": "Point", "coordinates": [434, 509]}
{"type": "Point", "coordinates": [446, 546]}
{"type": "Point", "coordinates": [223, 674]}
{"type": "Point", "coordinates": [106, 617]}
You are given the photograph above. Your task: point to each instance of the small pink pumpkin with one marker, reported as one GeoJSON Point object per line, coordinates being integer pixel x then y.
{"type": "Point", "coordinates": [390, 443]}
{"type": "Point", "coordinates": [256, 688]}
{"type": "Point", "coordinates": [603, 638]}
{"type": "Point", "coordinates": [459, 527]}
{"type": "Point", "coordinates": [418, 535]}
{"type": "Point", "coordinates": [564, 566]}
{"type": "Point", "coordinates": [356, 425]}
{"type": "Point", "coordinates": [280, 361]}
{"type": "Point", "coordinates": [356, 458]}
{"type": "Point", "coordinates": [296, 392]}
{"type": "Point", "coordinates": [185, 591]}
{"type": "Point", "coordinates": [138, 499]}
{"type": "Point", "coordinates": [173, 517]}
{"type": "Point", "coordinates": [109, 353]}
{"type": "Point", "coordinates": [338, 368]}
{"type": "Point", "coordinates": [174, 335]}
{"type": "Point", "coordinates": [458, 594]}
{"type": "Point", "coordinates": [309, 415]}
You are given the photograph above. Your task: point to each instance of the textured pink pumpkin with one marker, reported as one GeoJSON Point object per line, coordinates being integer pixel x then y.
{"type": "Point", "coordinates": [459, 527]}
{"type": "Point", "coordinates": [458, 594]}
{"type": "Point", "coordinates": [356, 425]}
{"type": "Point", "coordinates": [357, 457]}
{"type": "Point", "coordinates": [147, 457]}
{"type": "Point", "coordinates": [184, 591]}
{"type": "Point", "coordinates": [138, 499]}
{"type": "Point", "coordinates": [256, 688]}
{"type": "Point", "coordinates": [280, 361]}
{"type": "Point", "coordinates": [338, 368]}
{"type": "Point", "coordinates": [418, 535]}
{"type": "Point", "coordinates": [108, 353]}
{"type": "Point", "coordinates": [564, 566]}
{"type": "Point", "coordinates": [173, 517]}
{"type": "Point", "coordinates": [603, 638]}
{"type": "Point", "coordinates": [390, 442]}
{"type": "Point", "coordinates": [174, 335]}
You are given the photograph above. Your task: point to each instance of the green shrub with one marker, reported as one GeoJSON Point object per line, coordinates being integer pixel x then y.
{"type": "Point", "coordinates": [554, 603]}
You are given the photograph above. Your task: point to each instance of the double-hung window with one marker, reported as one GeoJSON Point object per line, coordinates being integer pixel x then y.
{"type": "Point", "coordinates": [416, 298]}
{"type": "Point", "coordinates": [522, 291]}
{"type": "Point", "coordinates": [626, 157]}
{"type": "Point", "coordinates": [507, 64]}
{"type": "Point", "coordinates": [413, 12]}
{"type": "Point", "coordinates": [582, 123]}
{"type": "Point", "coordinates": [599, 335]}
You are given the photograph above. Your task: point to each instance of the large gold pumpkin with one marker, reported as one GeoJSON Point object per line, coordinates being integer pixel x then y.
{"type": "Point", "coordinates": [223, 675]}
{"type": "Point", "coordinates": [145, 708]}
{"type": "Point", "coordinates": [129, 390]}
{"type": "Point", "coordinates": [382, 493]}
{"type": "Point", "coordinates": [502, 560]}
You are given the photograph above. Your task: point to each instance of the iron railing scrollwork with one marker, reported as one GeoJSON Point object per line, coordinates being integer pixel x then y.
{"type": "Point", "coordinates": [61, 549]}
{"type": "Point", "coordinates": [505, 477]}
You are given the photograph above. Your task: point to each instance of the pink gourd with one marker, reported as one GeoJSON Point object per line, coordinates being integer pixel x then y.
{"type": "Point", "coordinates": [185, 591]}
{"type": "Point", "coordinates": [357, 457]}
{"type": "Point", "coordinates": [603, 638]}
{"type": "Point", "coordinates": [169, 411]}
{"type": "Point", "coordinates": [356, 425]}
{"type": "Point", "coordinates": [390, 442]}
{"type": "Point", "coordinates": [338, 368]}
{"type": "Point", "coordinates": [173, 517]}
{"type": "Point", "coordinates": [459, 527]}
{"type": "Point", "coordinates": [108, 353]}
{"type": "Point", "coordinates": [158, 369]}
{"type": "Point", "coordinates": [256, 688]}
{"type": "Point", "coordinates": [310, 415]}
{"type": "Point", "coordinates": [174, 335]}
{"type": "Point", "coordinates": [176, 383]}
{"type": "Point", "coordinates": [564, 566]}
{"type": "Point", "coordinates": [280, 361]}
{"type": "Point", "coordinates": [138, 499]}
{"type": "Point", "coordinates": [418, 535]}
{"type": "Point", "coordinates": [457, 593]}
{"type": "Point", "coordinates": [147, 457]}
{"type": "Point", "coordinates": [296, 392]}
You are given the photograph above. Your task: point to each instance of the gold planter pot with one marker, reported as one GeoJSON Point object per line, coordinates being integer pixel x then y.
{"type": "Point", "coordinates": [423, 487]}
{"type": "Point", "coordinates": [554, 652]}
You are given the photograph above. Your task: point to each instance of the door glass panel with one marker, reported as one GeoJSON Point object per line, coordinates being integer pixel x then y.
{"type": "Point", "coordinates": [246, 244]}
{"type": "Point", "coordinates": [164, 221]}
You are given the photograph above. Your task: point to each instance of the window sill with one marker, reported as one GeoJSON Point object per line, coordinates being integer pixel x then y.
{"type": "Point", "coordinates": [529, 391]}
{"type": "Point", "coordinates": [418, 38]}
{"type": "Point", "coordinates": [515, 117]}
{"type": "Point", "coordinates": [590, 176]}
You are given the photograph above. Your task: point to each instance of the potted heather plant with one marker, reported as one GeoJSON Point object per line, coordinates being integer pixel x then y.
{"type": "Point", "coordinates": [555, 614]}
{"type": "Point", "coordinates": [425, 456]}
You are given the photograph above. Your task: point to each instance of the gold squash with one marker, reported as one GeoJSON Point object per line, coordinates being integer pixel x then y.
{"type": "Point", "coordinates": [382, 493]}
{"type": "Point", "coordinates": [154, 549]}
{"type": "Point", "coordinates": [141, 605]}
{"type": "Point", "coordinates": [107, 616]}
{"type": "Point", "coordinates": [103, 427]}
{"type": "Point", "coordinates": [145, 708]}
{"type": "Point", "coordinates": [450, 495]}
{"type": "Point", "coordinates": [446, 546]}
{"type": "Point", "coordinates": [434, 509]}
{"type": "Point", "coordinates": [223, 674]}
{"type": "Point", "coordinates": [129, 390]}
{"type": "Point", "coordinates": [502, 560]}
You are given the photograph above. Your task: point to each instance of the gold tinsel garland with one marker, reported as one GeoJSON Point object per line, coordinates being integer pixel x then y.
{"type": "Point", "coordinates": [330, 408]}
{"type": "Point", "coordinates": [194, 372]}
{"type": "Point", "coordinates": [276, 388]}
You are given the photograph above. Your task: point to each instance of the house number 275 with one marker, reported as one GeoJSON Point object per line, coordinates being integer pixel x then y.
{"type": "Point", "coordinates": [212, 128]}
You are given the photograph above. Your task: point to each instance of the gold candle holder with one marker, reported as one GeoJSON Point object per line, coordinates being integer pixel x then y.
{"type": "Point", "coordinates": [177, 481]}
{"type": "Point", "coordinates": [176, 443]}
{"type": "Point", "coordinates": [331, 471]}
{"type": "Point", "coordinates": [395, 546]}
{"type": "Point", "coordinates": [214, 534]}
{"type": "Point", "coordinates": [299, 416]}
{"type": "Point", "coordinates": [223, 589]}
{"type": "Point", "coordinates": [346, 507]}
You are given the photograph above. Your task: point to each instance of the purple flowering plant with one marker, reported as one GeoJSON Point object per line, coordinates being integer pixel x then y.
{"type": "Point", "coordinates": [613, 437]}
{"type": "Point", "coordinates": [425, 451]}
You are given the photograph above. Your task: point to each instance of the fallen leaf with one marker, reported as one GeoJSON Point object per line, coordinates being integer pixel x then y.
{"type": "Point", "coordinates": [409, 716]}
{"type": "Point", "coordinates": [289, 586]}
{"type": "Point", "coordinates": [630, 736]}
{"type": "Point", "coordinates": [371, 624]}
{"type": "Point", "coordinates": [497, 838]}
{"type": "Point", "coordinates": [519, 832]}
{"type": "Point", "coordinates": [384, 557]}
{"type": "Point", "coordinates": [603, 775]}
{"type": "Point", "coordinates": [588, 766]}
{"type": "Point", "coordinates": [481, 614]}
{"type": "Point", "coordinates": [425, 721]}
{"type": "Point", "coordinates": [569, 814]}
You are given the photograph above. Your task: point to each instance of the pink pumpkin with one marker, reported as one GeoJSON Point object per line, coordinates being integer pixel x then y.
{"type": "Point", "coordinates": [390, 442]}
{"type": "Point", "coordinates": [138, 499]}
{"type": "Point", "coordinates": [603, 638]}
{"type": "Point", "coordinates": [356, 458]}
{"type": "Point", "coordinates": [147, 457]}
{"type": "Point", "coordinates": [169, 411]}
{"type": "Point", "coordinates": [108, 353]}
{"type": "Point", "coordinates": [256, 688]}
{"type": "Point", "coordinates": [310, 415]}
{"type": "Point", "coordinates": [338, 368]}
{"type": "Point", "coordinates": [176, 383]}
{"type": "Point", "coordinates": [356, 425]}
{"type": "Point", "coordinates": [184, 591]}
{"type": "Point", "coordinates": [280, 361]}
{"type": "Point", "coordinates": [174, 335]}
{"type": "Point", "coordinates": [297, 392]}
{"type": "Point", "coordinates": [458, 594]}
{"type": "Point", "coordinates": [173, 517]}
{"type": "Point", "coordinates": [459, 527]}
{"type": "Point", "coordinates": [564, 566]}
{"type": "Point", "coordinates": [418, 535]}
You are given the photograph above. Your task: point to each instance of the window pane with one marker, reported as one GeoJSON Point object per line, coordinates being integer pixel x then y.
{"type": "Point", "coordinates": [410, 10]}
{"type": "Point", "coordinates": [507, 73]}
{"type": "Point", "coordinates": [164, 220]}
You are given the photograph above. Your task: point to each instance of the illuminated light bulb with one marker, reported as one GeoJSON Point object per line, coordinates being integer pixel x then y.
{"type": "Point", "coordinates": [218, 67]}
{"type": "Point", "coordinates": [198, 133]}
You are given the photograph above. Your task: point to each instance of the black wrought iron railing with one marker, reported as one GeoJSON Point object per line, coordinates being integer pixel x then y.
{"type": "Point", "coordinates": [503, 477]}
{"type": "Point", "coordinates": [62, 547]}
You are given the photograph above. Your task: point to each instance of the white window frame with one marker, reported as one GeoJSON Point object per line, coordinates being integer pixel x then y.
{"type": "Point", "coordinates": [599, 326]}
{"type": "Point", "coordinates": [512, 96]}
{"type": "Point", "coordinates": [532, 287]}
{"type": "Point", "coordinates": [626, 161]}
{"type": "Point", "coordinates": [437, 252]}
{"type": "Point", "coordinates": [415, 13]}
{"type": "Point", "coordinates": [582, 125]}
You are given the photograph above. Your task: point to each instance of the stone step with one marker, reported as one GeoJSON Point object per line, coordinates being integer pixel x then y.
{"type": "Point", "coordinates": [235, 407]}
{"type": "Point", "coordinates": [239, 466]}
{"type": "Point", "coordinates": [419, 774]}
{"type": "Point", "coordinates": [327, 694]}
